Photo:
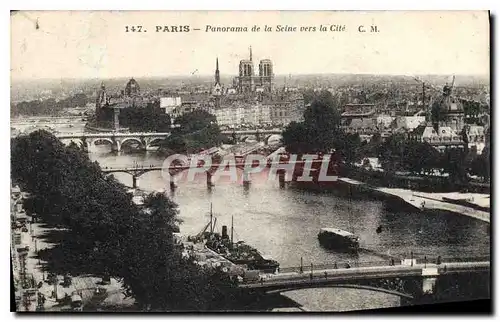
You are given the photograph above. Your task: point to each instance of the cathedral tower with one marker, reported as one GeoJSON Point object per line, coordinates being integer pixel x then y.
{"type": "Point", "coordinates": [217, 89]}
{"type": "Point", "coordinates": [217, 74]}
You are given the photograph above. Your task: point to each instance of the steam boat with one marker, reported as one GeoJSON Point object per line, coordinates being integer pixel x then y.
{"type": "Point", "coordinates": [334, 238]}
{"type": "Point", "coordinates": [238, 253]}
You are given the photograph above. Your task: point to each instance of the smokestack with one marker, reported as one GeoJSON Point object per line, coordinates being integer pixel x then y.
{"type": "Point", "coordinates": [224, 232]}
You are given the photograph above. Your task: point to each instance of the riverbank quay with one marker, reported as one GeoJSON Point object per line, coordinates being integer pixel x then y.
{"type": "Point", "coordinates": [37, 289]}
{"type": "Point", "coordinates": [426, 201]}
{"type": "Point", "coordinates": [427, 183]}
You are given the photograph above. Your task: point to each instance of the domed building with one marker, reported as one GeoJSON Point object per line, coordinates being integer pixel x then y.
{"type": "Point", "coordinates": [447, 111]}
{"type": "Point", "coordinates": [132, 88]}
{"type": "Point", "coordinates": [444, 124]}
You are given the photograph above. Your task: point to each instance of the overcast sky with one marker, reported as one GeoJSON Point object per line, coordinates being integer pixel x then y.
{"type": "Point", "coordinates": [95, 44]}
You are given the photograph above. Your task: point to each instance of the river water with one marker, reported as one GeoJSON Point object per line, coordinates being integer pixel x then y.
{"type": "Point", "coordinates": [284, 223]}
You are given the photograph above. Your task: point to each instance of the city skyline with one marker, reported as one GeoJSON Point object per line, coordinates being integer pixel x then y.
{"type": "Point", "coordinates": [416, 46]}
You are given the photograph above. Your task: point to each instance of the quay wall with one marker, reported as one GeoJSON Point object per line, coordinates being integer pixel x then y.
{"type": "Point", "coordinates": [421, 183]}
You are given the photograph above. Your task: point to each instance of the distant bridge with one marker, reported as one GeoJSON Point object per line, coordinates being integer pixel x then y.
{"type": "Point", "coordinates": [407, 280]}
{"type": "Point", "coordinates": [257, 134]}
{"type": "Point", "coordinates": [146, 140]}
{"type": "Point", "coordinates": [210, 169]}
{"type": "Point", "coordinates": [117, 140]}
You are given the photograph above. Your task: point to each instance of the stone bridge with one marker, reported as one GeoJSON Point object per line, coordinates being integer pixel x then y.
{"type": "Point", "coordinates": [265, 136]}
{"type": "Point", "coordinates": [144, 140]}
{"type": "Point", "coordinates": [408, 279]}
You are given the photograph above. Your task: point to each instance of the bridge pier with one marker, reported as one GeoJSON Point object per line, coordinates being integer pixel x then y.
{"type": "Point", "coordinates": [84, 145]}
{"type": "Point", "coordinates": [116, 146]}
{"type": "Point", "coordinates": [134, 182]}
{"type": "Point", "coordinates": [87, 144]}
{"type": "Point", "coordinates": [209, 180]}
{"type": "Point", "coordinates": [172, 184]}
{"type": "Point", "coordinates": [246, 178]}
{"type": "Point", "coordinates": [281, 178]}
{"type": "Point", "coordinates": [258, 136]}
{"type": "Point", "coordinates": [429, 275]}
{"type": "Point", "coordinates": [116, 118]}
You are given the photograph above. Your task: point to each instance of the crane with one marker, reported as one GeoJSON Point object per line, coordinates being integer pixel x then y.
{"type": "Point", "coordinates": [210, 224]}
{"type": "Point", "coordinates": [428, 85]}
{"type": "Point", "coordinates": [486, 114]}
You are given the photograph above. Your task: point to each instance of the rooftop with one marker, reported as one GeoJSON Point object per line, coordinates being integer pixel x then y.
{"type": "Point", "coordinates": [357, 114]}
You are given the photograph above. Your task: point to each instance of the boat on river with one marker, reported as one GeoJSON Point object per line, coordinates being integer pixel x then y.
{"type": "Point", "coordinates": [334, 238]}
{"type": "Point", "coordinates": [238, 253]}
{"type": "Point", "coordinates": [338, 239]}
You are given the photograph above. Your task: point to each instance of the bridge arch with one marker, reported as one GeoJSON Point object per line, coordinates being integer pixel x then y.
{"type": "Point", "coordinates": [246, 137]}
{"type": "Point", "coordinates": [273, 139]}
{"type": "Point", "coordinates": [153, 142]}
{"type": "Point", "coordinates": [125, 141]}
{"type": "Point", "coordinates": [98, 141]}
{"type": "Point", "coordinates": [354, 286]}
{"type": "Point", "coordinates": [68, 141]}
{"type": "Point", "coordinates": [133, 175]}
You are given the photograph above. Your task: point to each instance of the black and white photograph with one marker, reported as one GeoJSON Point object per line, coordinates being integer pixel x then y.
{"type": "Point", "coordinates": [249, 161]}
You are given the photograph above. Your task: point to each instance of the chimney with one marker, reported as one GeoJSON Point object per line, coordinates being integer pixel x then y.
{"type": "Point", "coordinates": [224, 232]}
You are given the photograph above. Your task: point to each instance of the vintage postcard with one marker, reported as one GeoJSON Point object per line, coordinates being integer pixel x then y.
{"type": "Point", "coordinates": [268, 161]}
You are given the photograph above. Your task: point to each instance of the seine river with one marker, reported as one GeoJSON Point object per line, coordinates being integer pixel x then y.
{"type": "Point", "coordinates": [284, 223]}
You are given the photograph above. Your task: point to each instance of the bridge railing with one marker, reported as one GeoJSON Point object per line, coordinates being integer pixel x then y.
{"type": "Point", "coordinates": [336, 265]}
{"type": "Point", "coordinates": [306, 268]}
{"type": "Point", "coordinates": [451, 259]}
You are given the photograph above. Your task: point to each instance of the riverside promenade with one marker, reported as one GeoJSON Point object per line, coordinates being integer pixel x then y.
{"type": "Point", "coordinates": [433, 201]}
{"type": "Point", "coordinates": [34, 291]}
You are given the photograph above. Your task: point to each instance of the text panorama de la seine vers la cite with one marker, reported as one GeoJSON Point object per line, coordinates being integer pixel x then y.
{"type": "Point", "coordinates": [254, 28]}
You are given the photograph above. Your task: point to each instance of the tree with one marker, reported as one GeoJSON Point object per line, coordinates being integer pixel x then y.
{"type": "Point", "coordinates": [391, 153]}
{"type": "Point", "coordinates": [297, 138]}
{"type": "Point", "coordinates": [479, 165]}
{"type": "Point", "coordinates": [49, 106]}
{"type": "Point", "coordinates": [453, 162]}
{"type": "Point", "coordinates": [194, 121]}
{"type": "Point", "coordinates": [376, 139]}
{"type": "Point", "coordinates": [163, 211]}
{"type": "Point", "coordinates": [399, 154]}
{"type": "Point", "coordinates": [349, 147]}
{"type": "Point", "coordinates": [148, 119]}
{"type": "Point", "coordinates": [420, 156]}
{"type": "Point", "coordinates": [319, 132]}
{"type": "Point", "coordinates": [198, 130]}
{"type": "Point", "coordinates": [106, 233]}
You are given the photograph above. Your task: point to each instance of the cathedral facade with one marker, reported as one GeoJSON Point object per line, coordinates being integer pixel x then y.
{"type": "Point", "coordinates": [248, 82]}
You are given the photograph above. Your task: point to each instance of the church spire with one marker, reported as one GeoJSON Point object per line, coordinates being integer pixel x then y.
{"type": "Point", "coordinates": [217, 74]}
{"type": "Point", "coordinates": [250, 53]}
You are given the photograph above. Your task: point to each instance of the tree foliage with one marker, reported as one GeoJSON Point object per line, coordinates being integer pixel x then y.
{"type": "Point", "coordinates": [197, 130]}
{"type": "Point", "coordinates": [454, 163]}
{"type": "Point", "coordinates": [49, 106]}
{"type": "Point", "coordinates": [148, 119]}
{"type": "Point", "coordinates": [104, 232]}
{"type": "Point", "coordinates": [479, 165]}
{"type": "Point", "coordinates": [399, 154]}
{"type": "Point", "coordinates": [319, 132]}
